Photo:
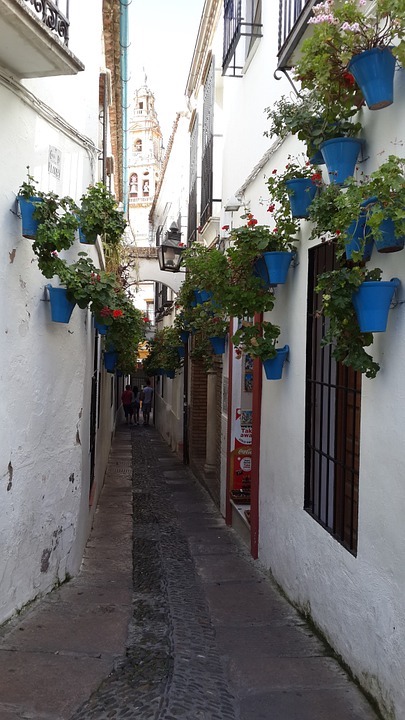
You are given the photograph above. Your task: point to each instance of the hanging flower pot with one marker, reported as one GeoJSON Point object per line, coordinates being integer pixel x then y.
{"type": "Point", "coordinates": [340, 155]}
{"type": "Point", "coordinates": [273, 368]}
{"type": "Point", "coordinates": [100, 327]}
{"type": "Point", "coordinates": [180, 351]}
{"type": "Point", "coordinates": [184, 335]}
{"type": "Point", "coordinates": [317, 158]}
{"type": "Point", "coordinates": [202, 296]}
{"type": "Point", "coordinates": [61, 307]}
{"type": "Point", "coordinates": [301, 192]}
{"type": "Point", "coordinates": [27, 209]}
{"type": "Point", "coordinates": [372, 302]}
{"type": "Point", "coordinates": [373, 71]}
{"type": "Point", "coordinates": [218, 345]}
{"type": "Point", "coordinates": [87, 239]}
{"type": "Point", "coordinates": [388, 242]}
{"type": "Point", "coordinates": [358, 235]}
{"type": "Point", "coordinates": [273, 266]}
{"type": "Point", "coordinates": [110, 360]}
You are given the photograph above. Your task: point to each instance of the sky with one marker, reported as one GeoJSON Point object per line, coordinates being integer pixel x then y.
{"type": "Point", "coordinates": [162, 36]}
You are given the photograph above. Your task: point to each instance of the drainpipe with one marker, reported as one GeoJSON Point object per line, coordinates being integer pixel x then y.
{"type": "Point", "coordinates": [124, 43]}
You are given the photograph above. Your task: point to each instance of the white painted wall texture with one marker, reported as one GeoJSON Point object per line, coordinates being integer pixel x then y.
{"type": "Point", "coordinates": [45, 367]}
{"type": "Point", "coordinates": [357, 602]}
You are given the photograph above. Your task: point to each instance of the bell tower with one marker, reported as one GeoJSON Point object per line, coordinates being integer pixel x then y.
{"type": "Point", "coordinates": [145, 163]}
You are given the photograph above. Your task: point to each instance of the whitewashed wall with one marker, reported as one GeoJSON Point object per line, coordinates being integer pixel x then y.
{"type": "Point", "coordinates": [357, 602]}
{"type": "Point", "coordinates": [46, 367]}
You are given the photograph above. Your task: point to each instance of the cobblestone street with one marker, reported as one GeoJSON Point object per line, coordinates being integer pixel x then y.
{"type": "Point", "coordinates": [210, 636]}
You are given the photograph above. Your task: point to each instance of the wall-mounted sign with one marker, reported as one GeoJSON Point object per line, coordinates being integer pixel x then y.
{"type": "Point", "coordinates": [54, 162]}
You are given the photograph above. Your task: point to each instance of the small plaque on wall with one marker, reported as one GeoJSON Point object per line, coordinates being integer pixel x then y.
{"type": "Point", "coordinates": [54, 162]}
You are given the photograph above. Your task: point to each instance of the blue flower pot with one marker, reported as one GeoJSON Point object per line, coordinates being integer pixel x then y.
{"type": "Point", "coordinates": [87, 239]}
{"type": "Point", "coordinates": [61, 307]}
{"type": "Point", "coordinates": [184, 335]}
{"type": "Point", "coordinates": [202, 296]}
{"type": "Point", "coordinates": [110, 360]}
{"type": "Point", "coordinates": [180, 351]}
{"type": "Point", "coordinates": [340, 155]}
{"type": "Point", "coordinates": [100, 327]}
{"type": "Point", "coordinates": [372, 302]}
{"type": "Point", "coordinates": [301, 191]}
{"type": "Point", "coordinates": [317, 158]}
{"type": "Point", "coordinates": [389, 242]}
{"type": "Point", "coordinates": [359, 238]}
{"type": "Point", "coordinates": [277, 264]}
{"type": "Point", "coordinates": [273, 368]}
{"type": "Point", "coordinates": [27, 209]}
{"type": "Point", "coordinates": [218, 345]}
{"type": "Point", "coordinates": [373, 71]}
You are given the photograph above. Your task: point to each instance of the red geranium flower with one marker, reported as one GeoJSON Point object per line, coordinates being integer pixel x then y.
{"type": "Point", "coordinates": [271, 207]}
{"type": "Point", "coordinates": [105, 311]}
{"type": "Point", "coordinates": [117, 313]}
{"type": "Point", "coordinates": [225, 227]}
{"type": "Point", "coordinates": [252, 222]}
{"type": "Point", "coordinates": [316, 177]}
{"type": "Point", "coordinates": [348, 78]}
{"type": "Point", "coordinates": [274, 171]}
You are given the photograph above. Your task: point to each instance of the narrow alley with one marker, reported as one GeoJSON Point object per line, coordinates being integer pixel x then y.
{"type": "Point", "coordinates": [210, 636]}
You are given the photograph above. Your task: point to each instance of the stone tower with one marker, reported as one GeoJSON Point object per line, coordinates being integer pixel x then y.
{"type": "Point", "coordinates": [145, 162]}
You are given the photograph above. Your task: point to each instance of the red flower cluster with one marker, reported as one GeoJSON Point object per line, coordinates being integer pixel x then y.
{"type": "Point", "coordinates": [252, 222]}
{"type": "Point", "coordinates": [117, 313]}
{"type": "Point", "coordinates": [105, 312]}
{"type": "Point", "coordinates": [271, 208]}
{"type": "Point", "coordinates": [145, 319]}
{"type": "Point", "coordinates": [225, 227]}
{"type": "Point", "coordinates": [95, 277]}
{"type": "Point", "coordinates": [348, 79]}
{"type": "Point", "coordinates": [316, 177]}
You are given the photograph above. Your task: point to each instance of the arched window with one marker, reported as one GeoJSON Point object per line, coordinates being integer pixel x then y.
{"type": "Point", "coordinates": [133, 185]}
{"type": "Point", "coordinates": [138, 146]}
{"type": "Point", "coordinates": [145, 188]}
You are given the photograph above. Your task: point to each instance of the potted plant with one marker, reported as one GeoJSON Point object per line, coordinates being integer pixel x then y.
{"type": "Point", "coordinates": [364, 45]}
{"type": "Point", "coordinates": [259, 340]}
{"type": "Point", "coordinates": [298, 183]}
{"type": "Point", "coordinates": [57, 224]}
{"type": "Point", "coordinates": [28, 199]}
{"type": "Point", "coordinates": [314, 122]}
{"type": "Point", "coordinates": [99, 215]}
{"type": "Point", "coordinates": [213, 324]}
{"type": "Point", "coordinates": [343, 291]}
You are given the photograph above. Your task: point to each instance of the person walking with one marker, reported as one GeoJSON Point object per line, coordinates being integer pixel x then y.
{"type": "Point", "coordinates": [136, 404]}
{"type": "Point", "coordinates": [147, 395]}
{"type": "Point", "coordinates": [127, 399]}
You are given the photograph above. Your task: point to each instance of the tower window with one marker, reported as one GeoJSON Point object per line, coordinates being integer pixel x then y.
{"type": "Point", "coordinates": [145, 188]}
{"type": "Point", "coordinates": [138, 145]}
{"type": "Point", "coordinates": [133, 185]}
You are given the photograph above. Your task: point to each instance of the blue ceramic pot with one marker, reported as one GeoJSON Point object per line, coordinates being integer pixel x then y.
{"type": "Point", "coordinates": [388, 242]}
{"type": "Point", "coordinates": [273, 368]}
{"type": "Point", "coordinates": [27, 209]}
{"type": "Point", "coordinates": [372, 303]}
{"type": "Point", "coordinates": [87, 239]}
{"type": "Point", "coordinates": [61, 307]}
{"type": "Point", "coordinates": [218, 345]}
{"type": "Point", "coordinates": [184, 335]}
{"type": "Point", "coordinates": [100, 327]}
{"type": "Point", "coordinates": [373, 71]}
{"type": "Point", "coordinates": [301, 192]}
{"type": "Point", "coordinates": [180, 351]}
{"type": "Point", "coordinates": [359, 238]}
{"type": "Point", "coordinates": [110, 360]}
{"type": "Point", "coordinates": [277, 264]}
{"type": "Point", "coordinates": [340, 155]}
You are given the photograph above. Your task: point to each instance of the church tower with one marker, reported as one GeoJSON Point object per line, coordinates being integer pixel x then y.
{"type": "Point", "coordinates": [145, 163]}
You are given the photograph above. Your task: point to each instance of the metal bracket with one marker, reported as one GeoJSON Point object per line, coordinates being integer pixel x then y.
{"type": "Point", "coordinates": [285, 72]}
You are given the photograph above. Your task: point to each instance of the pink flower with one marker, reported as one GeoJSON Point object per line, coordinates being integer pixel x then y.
{"type": "Point", "coordinates": [55, 253]}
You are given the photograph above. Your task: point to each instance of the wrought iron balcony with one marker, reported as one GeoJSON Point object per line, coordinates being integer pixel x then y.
{"type": "Point", "coordinates": [34, 36]}
{"type": "Point", "coordinates": [52, 16]}
{"type": "Point", "coordinates": [292, 26]}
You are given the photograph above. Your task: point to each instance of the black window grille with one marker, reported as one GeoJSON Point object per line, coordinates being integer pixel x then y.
{"type": "Point", "coordinates": [52, 16]}
{"type": "Point", "coordinates": [332, 433]}
{"type": "Point", "coordinates": [292, 23]}
{"type": "Point", "coordinates": [207, 145]}
{"type": "Point", "coordinates": [239, 21]}
{"type": "Point", "coordinates": [192, 200]}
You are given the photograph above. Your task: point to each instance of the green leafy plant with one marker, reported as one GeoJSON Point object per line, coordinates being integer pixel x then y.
{"type": "Point", "coordinates": [162, 351]}
{"type": "Point", "coordinates": [56, 230]}
{"type": "Point", "coordinates": [258, 339]}
{"type": "Point", "coordinates": [28, 188]}
{"type": "Point", "coordinates": [312, 121]}
{"type": "Point", "coordinates": [342, 329]}
{"type": "Point", "coordinates": [99, 215]}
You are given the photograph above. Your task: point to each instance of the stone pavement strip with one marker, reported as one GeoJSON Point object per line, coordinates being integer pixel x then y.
{"type": "Point", "coordinates": [210, 637]}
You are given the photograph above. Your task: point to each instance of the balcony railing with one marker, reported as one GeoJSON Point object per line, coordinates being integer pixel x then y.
{"type": "Point", "coordinates": [52, 17]}
{"type": "Point", "coordinates": [292, 24]}
{"type": "Point", "coordinates": [236, 27]}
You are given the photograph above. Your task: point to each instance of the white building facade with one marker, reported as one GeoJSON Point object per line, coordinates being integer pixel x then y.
{"type": "Point", "coordinates": [58, 404]}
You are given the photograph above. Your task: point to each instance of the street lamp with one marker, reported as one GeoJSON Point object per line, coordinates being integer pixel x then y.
{"type": "Point", "coordinates": [170, 251]}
